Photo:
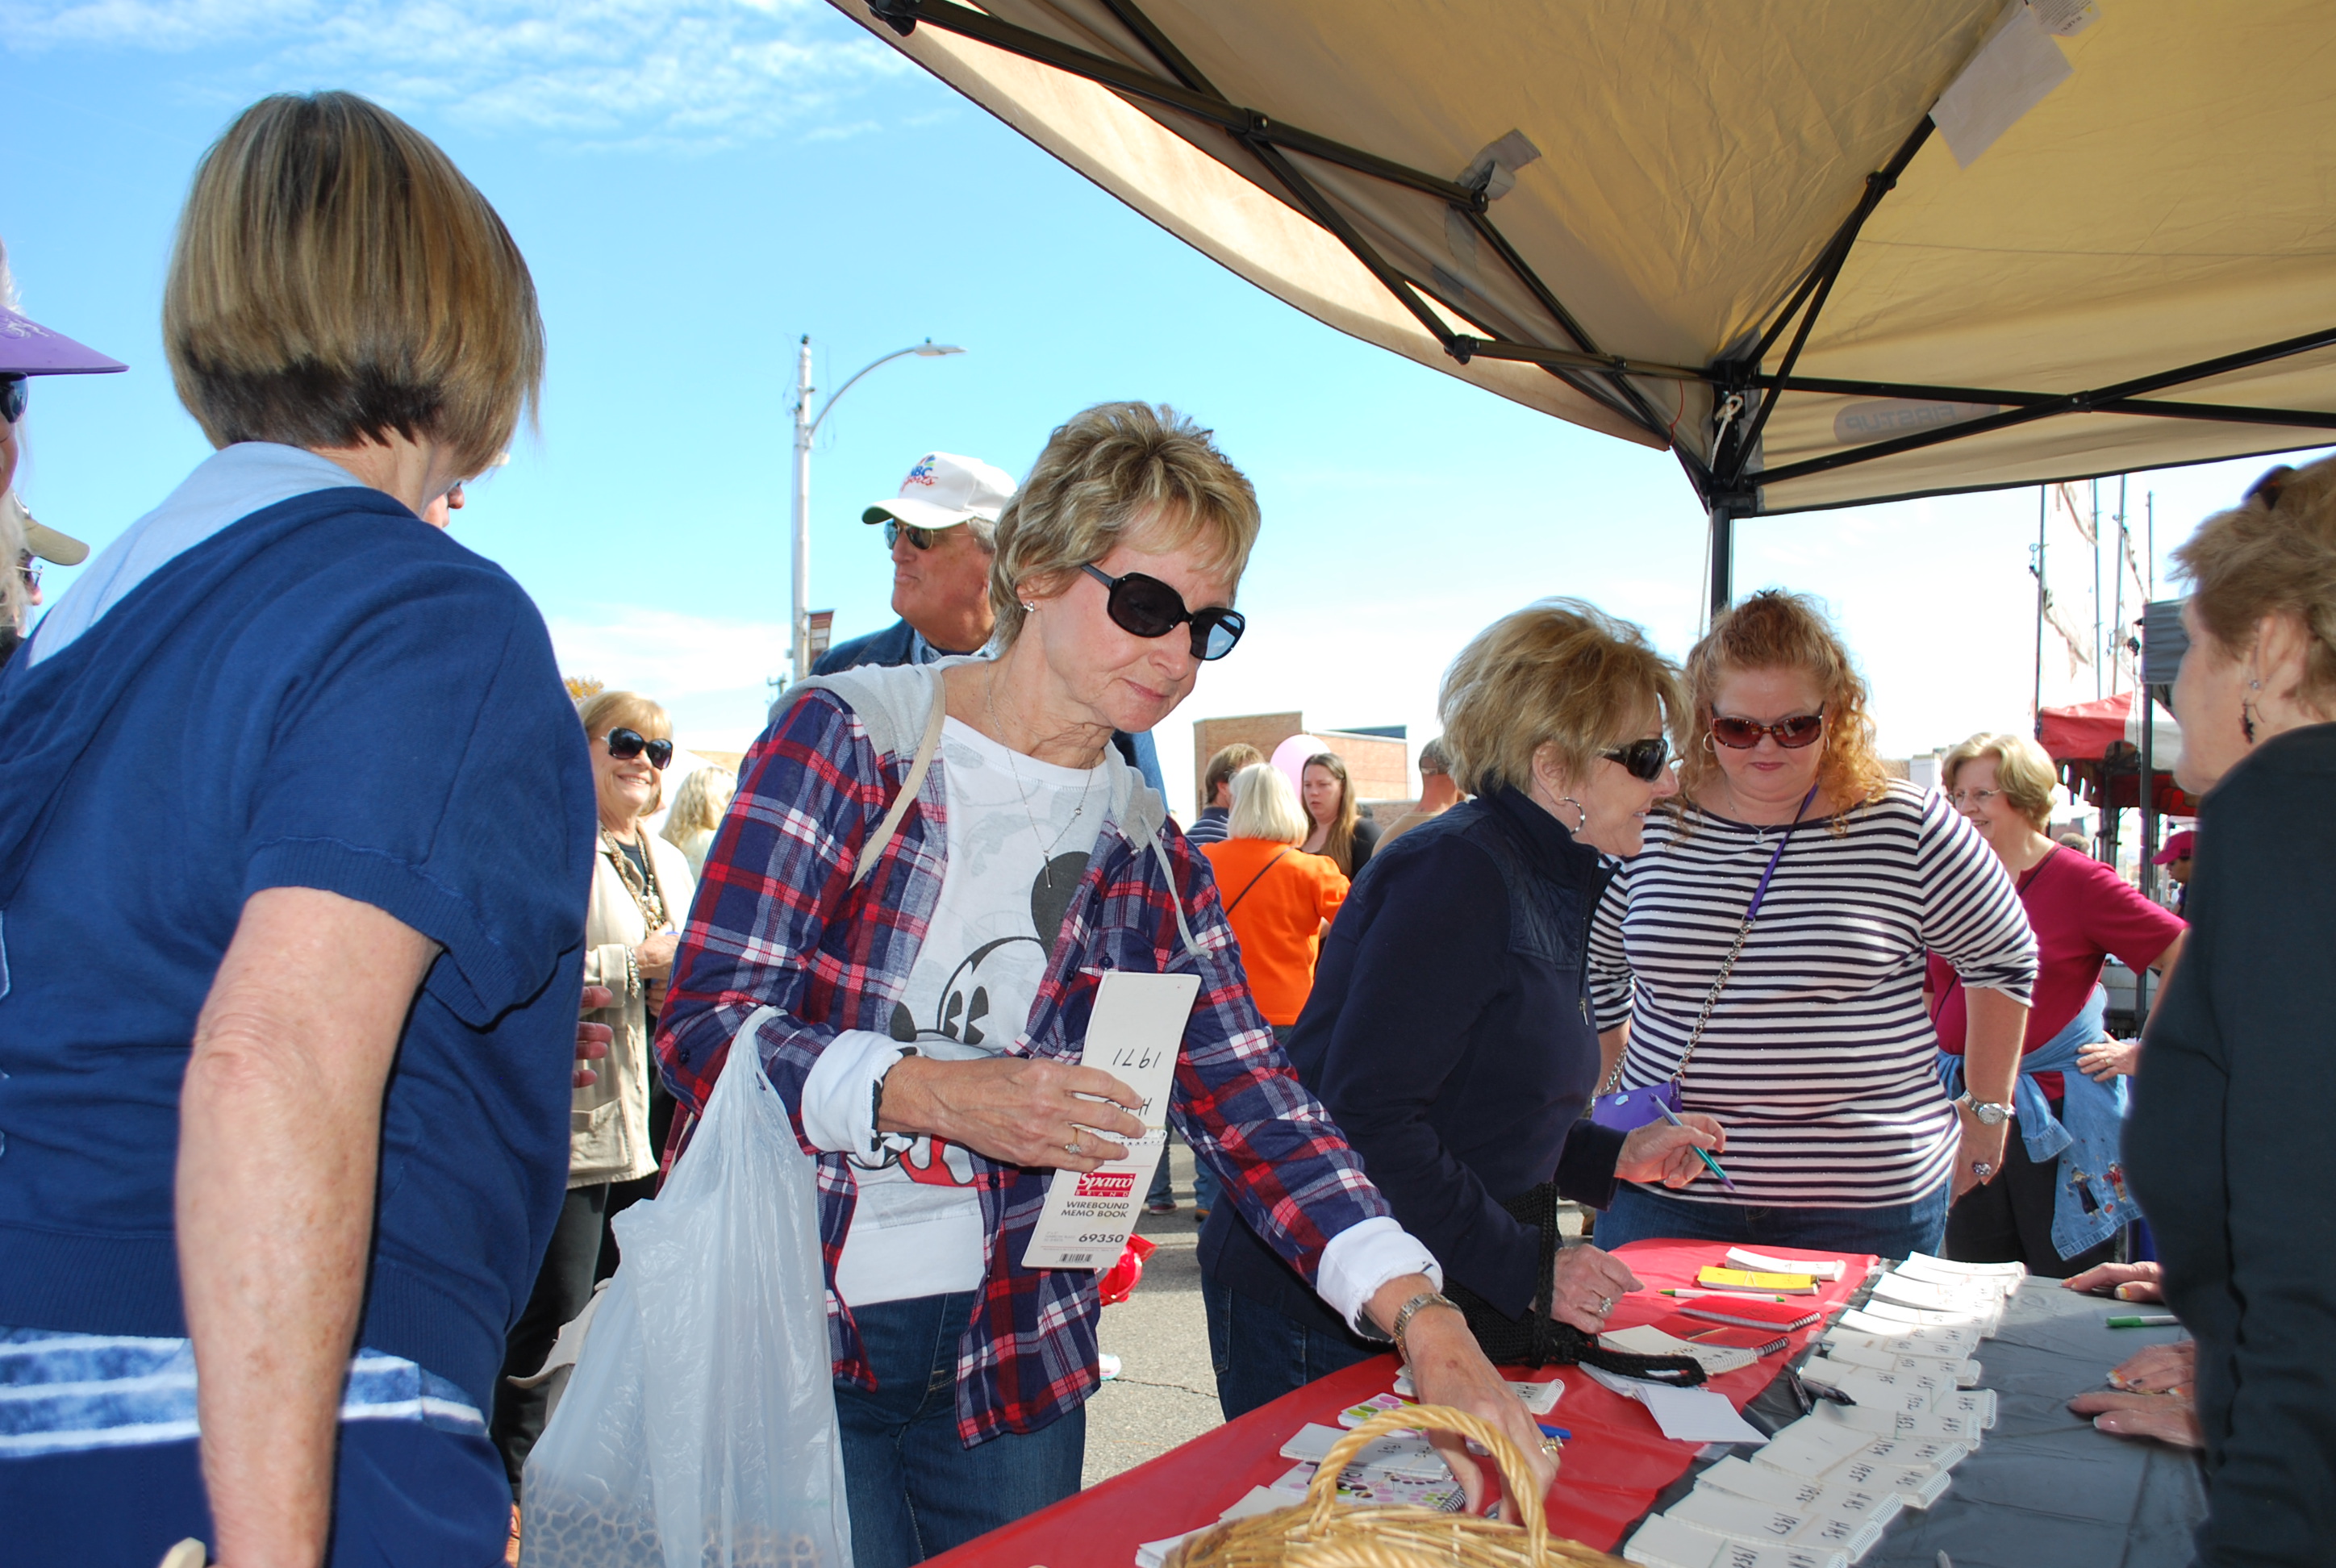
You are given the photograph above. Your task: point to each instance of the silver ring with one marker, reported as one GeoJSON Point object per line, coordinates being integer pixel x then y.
{"type": "Point", "coordinates": [1605, 1305]}
{"type": "Point", "coordinates": [1981, 1169]}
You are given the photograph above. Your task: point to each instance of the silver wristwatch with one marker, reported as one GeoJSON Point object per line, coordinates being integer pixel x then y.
{"type": "Point", "coordinates": [1989, 1114]}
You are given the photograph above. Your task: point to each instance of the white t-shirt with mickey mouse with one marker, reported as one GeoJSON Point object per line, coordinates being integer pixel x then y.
{"type": "Point", "coordinates": [1019, 833]}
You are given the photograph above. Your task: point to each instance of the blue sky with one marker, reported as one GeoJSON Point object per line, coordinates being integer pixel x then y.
{"type": "Point", "coordinates": [696, 184]}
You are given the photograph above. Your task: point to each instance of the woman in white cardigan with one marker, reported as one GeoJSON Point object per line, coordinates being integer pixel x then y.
{"type": "Point", "coordinates": [641, 889]}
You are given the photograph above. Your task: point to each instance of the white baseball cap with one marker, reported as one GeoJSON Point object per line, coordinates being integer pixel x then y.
{"type": "Point", "coordinates": [944, 490]}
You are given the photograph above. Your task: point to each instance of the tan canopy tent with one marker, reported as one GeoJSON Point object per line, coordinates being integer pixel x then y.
{"type": "Point", "coordinates": [1826, 253]}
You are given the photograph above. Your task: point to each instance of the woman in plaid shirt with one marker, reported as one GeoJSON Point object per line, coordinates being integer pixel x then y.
{"type": "Point", "coordinates": [922, 1018]}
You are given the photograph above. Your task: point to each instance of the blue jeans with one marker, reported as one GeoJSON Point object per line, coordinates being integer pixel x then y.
{"type": "Point", "coordinates": [915, 1490]}
{"type": "Point", "coordinates": [1638, 1215]}
{"type": "Point", "coordinates": [1261, 1354]}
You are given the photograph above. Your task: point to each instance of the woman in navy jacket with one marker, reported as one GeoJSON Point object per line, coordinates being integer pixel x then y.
{"type": "Point", "coordinates": [2237, 1059]}
{"type": "Point", "coordinates": [1449, 1030]}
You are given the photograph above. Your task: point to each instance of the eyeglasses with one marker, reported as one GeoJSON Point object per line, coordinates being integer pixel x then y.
{"type": "Point", "coordinates": [30, 573]}
{"type": "Point", "coordinates": [1792, 734]}
{"type": "Point", "coordinates": [625, 744]}
{"type": "Point", "coordinates": [1147, 607]}
{"type": "Point", "coordinates": [14, 389]}
{"type": "Point", "coordinates": [1643, 760]}
{"type": "Point", "coordinates": [1960, 799]}
{"type": "Point", "coordinates": [922, 538]}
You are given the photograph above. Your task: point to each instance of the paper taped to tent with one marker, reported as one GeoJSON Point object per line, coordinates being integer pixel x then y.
{"type": "Point", "coordinates": [1826, 253]}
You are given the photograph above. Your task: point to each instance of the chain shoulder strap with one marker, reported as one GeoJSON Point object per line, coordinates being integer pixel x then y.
{"type": "Point", "coordinates": [1728, 964]}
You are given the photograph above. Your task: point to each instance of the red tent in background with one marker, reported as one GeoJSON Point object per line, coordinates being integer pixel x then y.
{"type": "Point", "coordinates": [2097, 745]}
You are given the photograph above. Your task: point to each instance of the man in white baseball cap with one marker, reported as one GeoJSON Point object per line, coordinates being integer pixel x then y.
{"type": "Point", "coordinates": [942, 529]}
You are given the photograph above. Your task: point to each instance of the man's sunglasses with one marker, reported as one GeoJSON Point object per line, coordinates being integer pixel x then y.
{"type": "Point", "coordinates": [625, 744]}
{"type": "Point", "coordinates": [1792, 734]}
{"type": "Point", "coordinates": [1643, 760]}
{"type": "Point", "coordinates": [12, 392]}
{"type": "Point", "coordinates": [1147, 607]}
{"type": "Point", "coordinates": [922, 538]}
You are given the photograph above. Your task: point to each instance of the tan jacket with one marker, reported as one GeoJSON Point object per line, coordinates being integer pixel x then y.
{"type": "Point", "coordinates": [609, 1123]}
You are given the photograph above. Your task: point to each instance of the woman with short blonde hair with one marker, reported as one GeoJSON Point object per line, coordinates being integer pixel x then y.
{"type": "Point", "coordinates": [1265, 807]}
{"type": "Point", "coordinates": [696, 814]}
{"type": "Point", "coordinates": [1447, 1026]}
{"type": "Point", "coordinates": [1762, 961]}
{"type": "Point", "coordinates": [304, 1100]}
{"type": "Point", "coordinates": [642, 887]}
{"type": "Point", "coordinates": [908, 915]}
{"type": "Point", "coordinates": [2235, 1085]}
{"type": "Point", "coordinates": [2024, 776]}
{"type": "Point", "coordinates": [2057, 1206]}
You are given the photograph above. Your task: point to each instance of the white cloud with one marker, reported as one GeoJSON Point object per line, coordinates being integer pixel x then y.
{"type": "Point", "coordinates": [674, 74]}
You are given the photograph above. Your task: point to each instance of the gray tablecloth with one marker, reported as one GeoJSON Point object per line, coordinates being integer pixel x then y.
{"type": "Point", "coordinates": [2045, 1490]}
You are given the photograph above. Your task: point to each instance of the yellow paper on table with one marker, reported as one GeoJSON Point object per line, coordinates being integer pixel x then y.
{"type": "Point", "coordinates": [1714, 1278]}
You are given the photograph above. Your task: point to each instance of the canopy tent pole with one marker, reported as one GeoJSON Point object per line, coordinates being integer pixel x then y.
{"type": "Point", "coordinates": [1723, 554]}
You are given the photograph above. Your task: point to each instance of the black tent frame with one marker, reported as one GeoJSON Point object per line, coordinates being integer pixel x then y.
{"type": "Point", "coordinates": [1744, 394]}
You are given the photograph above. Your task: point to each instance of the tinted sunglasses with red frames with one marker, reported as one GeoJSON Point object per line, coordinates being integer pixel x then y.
{"type": "Point", "coordinates": [1792, 734]}
{"type": "Point", "coordinates": [1147, 607]}
{"type": "Point", "coordinates": [625, 744]}
{"type": "Point", "coordinates": [1643, 760]}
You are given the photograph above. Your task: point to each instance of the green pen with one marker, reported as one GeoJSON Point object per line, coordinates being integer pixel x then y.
{"type": "Point", "coordinates": [1672, 1117]}
{"type": "Point", "coordinates": [2145, 1321]}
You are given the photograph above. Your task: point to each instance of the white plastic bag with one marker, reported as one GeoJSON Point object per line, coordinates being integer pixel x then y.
{"type": "Point", "coordinates": [699, 1428]}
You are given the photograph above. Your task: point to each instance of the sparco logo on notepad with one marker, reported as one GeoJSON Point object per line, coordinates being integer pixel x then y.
{"type": "Point", "coordinates": [1107, 1184]}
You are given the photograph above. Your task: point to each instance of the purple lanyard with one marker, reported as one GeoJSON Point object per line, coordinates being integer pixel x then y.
{"type": "Point", "coordinates": [1761, 892]}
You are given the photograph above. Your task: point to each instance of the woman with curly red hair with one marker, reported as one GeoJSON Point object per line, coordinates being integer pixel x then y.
{"type": "Point", "coordinates": [1764, 956]}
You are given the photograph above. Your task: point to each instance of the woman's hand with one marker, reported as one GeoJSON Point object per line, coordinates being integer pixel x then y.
{"type": "Point", "coordinates": [1659, 1151]}
{"type": "Point", "coordinates": [593, 1040]}
{"type": "Point", "coordinates": [1978, 1150]}
{"type": "Point", "coordinates": [1016, 1110]}
{"type": "Point", "coordinates": [1585, 1283]}
{"type": "Point", "coordinates": [2126, 1281]}
{"type": "Point", "coordinates": [2106, 1059]}
{"type": "Point", "coordinates": [2171, 1419]}
{"type": "Point", "coordinates": [655, 956]}
{"type": "Point", "coordinates": [2158, 1370]}
{"type": "Point", "coordinates": [1447, 1368]}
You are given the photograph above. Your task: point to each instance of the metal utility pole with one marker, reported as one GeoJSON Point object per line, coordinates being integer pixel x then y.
{"type": "Point", "coordinates": [2097, 590]}
{"type": "Point", "coordinates": [806, 426]}
{"type": "Point", "coordinates": [799, 536]}
{"type": "Point", "coordinates": [2036, 703]}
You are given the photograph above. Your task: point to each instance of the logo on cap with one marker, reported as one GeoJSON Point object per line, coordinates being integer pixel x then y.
{"type": "Point", "coordinates": [923, 472]}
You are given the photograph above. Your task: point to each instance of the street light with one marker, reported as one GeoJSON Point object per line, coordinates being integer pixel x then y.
{"type": "Point", "coordinates": [806, 426]}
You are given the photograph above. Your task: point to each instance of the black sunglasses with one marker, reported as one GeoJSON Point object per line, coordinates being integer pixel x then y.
{"type": "Point", "coordinates": [1792, 734]}
{"type": "Point", "coordinates": [625, 744]}
{"type": "Point", "coordinates": [922, 538]}
{"type": "Point", "coordinates": [1147, 607]}
{"type": "Point", "coordinates": [1643, 760]}
{"type": "Point", "coordinates": [14, 389]}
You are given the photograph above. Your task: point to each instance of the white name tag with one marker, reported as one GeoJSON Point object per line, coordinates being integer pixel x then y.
{"type": "Point", "coordinates": [1133, 1034]}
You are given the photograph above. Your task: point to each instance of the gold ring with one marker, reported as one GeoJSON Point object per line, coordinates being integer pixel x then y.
{"type": "Point", "coordinates": [1549, 1445]}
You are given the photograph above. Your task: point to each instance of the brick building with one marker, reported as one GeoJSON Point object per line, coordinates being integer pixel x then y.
{"type": "Point", "coordinates": [1378, 765]}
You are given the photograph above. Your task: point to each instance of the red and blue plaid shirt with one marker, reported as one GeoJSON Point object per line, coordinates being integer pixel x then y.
{"type": "Point", "coordinates": [777, 924]}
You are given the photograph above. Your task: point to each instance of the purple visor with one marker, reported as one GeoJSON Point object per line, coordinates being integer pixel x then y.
{"type": "Point", "coordinates": [28, 349]}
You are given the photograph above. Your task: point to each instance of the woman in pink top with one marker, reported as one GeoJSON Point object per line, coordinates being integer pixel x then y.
{"type": "Point", "coordinates": [2060, 1199]}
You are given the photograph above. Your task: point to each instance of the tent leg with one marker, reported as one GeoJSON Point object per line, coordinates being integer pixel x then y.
{"type": "Point", "coordinates": [1723, 556]}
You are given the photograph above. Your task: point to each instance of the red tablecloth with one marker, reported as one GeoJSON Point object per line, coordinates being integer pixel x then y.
{"type": "Point", "coordinates": [1612, 1469]}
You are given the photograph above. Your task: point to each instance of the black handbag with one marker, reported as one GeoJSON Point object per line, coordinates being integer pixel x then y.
{"type": "Point", "coordinates": [1539, 1340]}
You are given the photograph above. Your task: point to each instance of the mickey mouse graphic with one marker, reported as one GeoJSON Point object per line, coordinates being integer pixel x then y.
{"type": "Point", "coordinates": [964, 1024]}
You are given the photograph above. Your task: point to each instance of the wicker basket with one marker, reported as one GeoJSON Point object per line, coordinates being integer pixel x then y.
{"type": "Point", "coordinates": [1323, 1533]}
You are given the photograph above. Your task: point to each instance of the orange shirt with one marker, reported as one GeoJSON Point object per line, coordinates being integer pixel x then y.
{"type": "Point", "coordinates": [1278, 921]}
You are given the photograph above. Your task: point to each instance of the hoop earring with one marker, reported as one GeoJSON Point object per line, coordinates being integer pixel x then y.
{"type": "Point", "coordinates": [1582, 815]}
{"type": "Point", "coordinates": [1709, 749]}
